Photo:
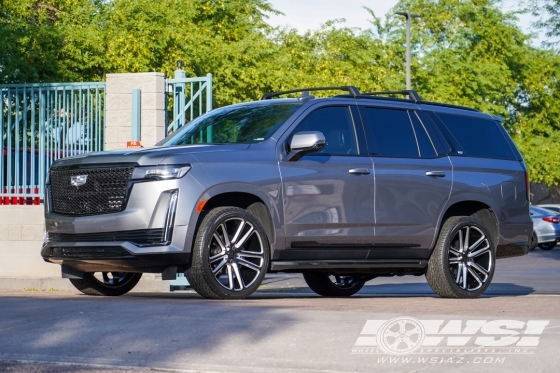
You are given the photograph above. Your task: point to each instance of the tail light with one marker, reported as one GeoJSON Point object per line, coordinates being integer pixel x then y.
{"type": "Point", "coordinates": [552, 220]}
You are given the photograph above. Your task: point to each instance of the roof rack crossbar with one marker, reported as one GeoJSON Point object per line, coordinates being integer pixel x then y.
{"type": "Point", "coordinates": [412, 94]}
{"type": "Point", "coordinates": [350, 89]}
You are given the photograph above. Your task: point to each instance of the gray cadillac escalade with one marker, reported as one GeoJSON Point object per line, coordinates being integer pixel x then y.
{"type": "Point", "coordinates": [343, 189]}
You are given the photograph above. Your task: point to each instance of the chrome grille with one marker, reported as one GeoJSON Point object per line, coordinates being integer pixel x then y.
{"type": "Point", "coordinates": [103, 192]}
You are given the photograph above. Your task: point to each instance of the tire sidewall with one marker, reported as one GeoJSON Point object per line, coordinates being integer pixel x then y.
{"type": "Point", "coordinates": [459, 224]}
{"type": "Point", "coordinates": [534, 242]}
{"type": "Point", "coordinates": [547, 246]}
{"type": "Point", "coordinates": [204, 236]}
{"type": "Point", "coordinates": [321, 283]}
{"type": "Point", "coordinates": [90, 282]}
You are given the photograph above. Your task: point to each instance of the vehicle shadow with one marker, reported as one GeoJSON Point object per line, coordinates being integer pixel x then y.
{"type": "Point", "coordinates": [407, 290]}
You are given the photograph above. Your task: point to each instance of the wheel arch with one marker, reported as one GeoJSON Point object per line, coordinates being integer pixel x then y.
{"type": "Point", "coordinates": [243, 196]}
{"type": "Point", "coordinates": [476, 209]}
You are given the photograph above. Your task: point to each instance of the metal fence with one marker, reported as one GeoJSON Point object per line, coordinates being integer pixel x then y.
{"type": "Point", "coordinates": [40, 123]}
{"type": "Point", "coordinates": [187, 99]}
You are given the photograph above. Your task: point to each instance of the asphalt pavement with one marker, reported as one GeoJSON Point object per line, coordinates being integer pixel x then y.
{"type": "Point", "coordinates": [392, 325]}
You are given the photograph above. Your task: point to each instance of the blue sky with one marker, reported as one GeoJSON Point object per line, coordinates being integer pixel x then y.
{"type": "Point", "coordinates": [310, 14]}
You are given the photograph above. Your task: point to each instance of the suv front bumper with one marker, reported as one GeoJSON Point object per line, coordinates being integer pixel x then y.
{"type": "Point", "coordinates": [149, 235]}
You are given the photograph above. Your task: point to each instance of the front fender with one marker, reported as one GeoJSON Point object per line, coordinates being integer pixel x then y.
{"type": "Point", "coordinates": [271, 199]}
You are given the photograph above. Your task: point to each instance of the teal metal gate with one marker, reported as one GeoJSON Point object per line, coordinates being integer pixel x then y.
{"type": "Point", "coordinates": [187, 99]}
{"type": "Point", "coordinates": [40, 123]}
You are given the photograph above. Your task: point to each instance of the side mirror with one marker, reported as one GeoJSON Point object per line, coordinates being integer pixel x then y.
{"type": "Point", "coordinates": [304, 143]}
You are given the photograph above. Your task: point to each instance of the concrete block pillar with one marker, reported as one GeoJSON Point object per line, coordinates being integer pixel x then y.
{"type": "Point", "coordinates": [118, 108]}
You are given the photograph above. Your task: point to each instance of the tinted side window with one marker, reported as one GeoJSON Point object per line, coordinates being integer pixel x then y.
{"type": "Point", "coordinates": [389, 133]}
{"type": "Point", "coordinates": [478, 137]}
{"type": "Point", "coordinates": [337, 126]}
{"type": "Point", "coordinates": [426, 146]}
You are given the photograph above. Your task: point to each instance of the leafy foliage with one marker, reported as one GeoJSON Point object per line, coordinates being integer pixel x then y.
{"type": "Point", "coordinates": [466, 52]}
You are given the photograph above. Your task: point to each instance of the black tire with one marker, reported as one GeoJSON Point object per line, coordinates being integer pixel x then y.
{"type": "Point", "coordinates": [447, 265]}
{"type": "Point", "coordinates": [534, 242]}
{"type": "Point", "coordinates": [228, 272]}
{"type": "Point", "coordinates": [329, 285]}
{"type": "Point", "coordinates": [118, 284]}
{"type": "Point", "coordinates": [547, 245]}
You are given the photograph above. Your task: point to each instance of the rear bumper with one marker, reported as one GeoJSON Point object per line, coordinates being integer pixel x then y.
{"type": "Point", "coordinates": [548, 236]}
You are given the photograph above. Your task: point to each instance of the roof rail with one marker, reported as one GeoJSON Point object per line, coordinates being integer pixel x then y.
{"type": "Point", "coordinates": [412, 95]}
{"type": "Point", "coordinates": [415, 97]}
{"type": "Point", "coordinates": [350, 89]}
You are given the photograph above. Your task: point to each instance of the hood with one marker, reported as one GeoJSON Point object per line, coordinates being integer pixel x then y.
{"type": "Point", "coordinates": [144, 156]}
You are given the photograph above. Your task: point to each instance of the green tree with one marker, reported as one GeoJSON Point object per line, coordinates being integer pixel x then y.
{"type": "Point", "coordinates": [29, 41]}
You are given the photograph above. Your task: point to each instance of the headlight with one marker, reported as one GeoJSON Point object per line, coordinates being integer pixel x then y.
{"type": "Point", "coordinates": [163, 172]}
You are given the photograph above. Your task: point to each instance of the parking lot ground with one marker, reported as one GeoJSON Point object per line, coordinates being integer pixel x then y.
{"type": "Point", "coordinates": [284, 327]}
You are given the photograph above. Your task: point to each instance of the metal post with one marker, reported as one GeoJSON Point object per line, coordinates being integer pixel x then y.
{"type": "Point", "coordinates": [408, 17]}
{"type": "Point", "coordinates": [179, 97]}
{"type": "Point", "coordinates": [43, 117]}
{"type": "Point", "coordinates": [136, 114]}
{"type": "Point", "coordinates": [208, 92]}
{"type": "Point", "coordinates": [408, 83]}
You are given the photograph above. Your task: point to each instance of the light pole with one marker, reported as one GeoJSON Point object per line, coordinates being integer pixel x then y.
{"type": "Point", "coordinates": [408, 17]}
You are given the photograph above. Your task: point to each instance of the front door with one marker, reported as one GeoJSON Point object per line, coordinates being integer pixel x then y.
{"type": "Point", "coordinates": [329, 195]}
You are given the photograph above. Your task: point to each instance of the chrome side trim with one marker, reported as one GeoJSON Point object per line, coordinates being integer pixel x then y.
{"type": "Point", "coordinates": [170, 217]}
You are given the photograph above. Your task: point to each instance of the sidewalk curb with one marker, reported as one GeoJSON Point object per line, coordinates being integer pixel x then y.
{"type": "Point", "coordinates": [146, 284]}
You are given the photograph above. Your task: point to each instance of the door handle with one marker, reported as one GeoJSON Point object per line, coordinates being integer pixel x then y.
{"type": "Point", "coordinates": [359, 171]}
{"type": "Point", "coordinates": [435, 173]}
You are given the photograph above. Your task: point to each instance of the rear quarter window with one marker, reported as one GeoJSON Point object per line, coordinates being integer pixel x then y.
{"type": "Point", "coordinates": [478, 137]}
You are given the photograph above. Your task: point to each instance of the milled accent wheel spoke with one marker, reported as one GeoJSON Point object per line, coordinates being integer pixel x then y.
{"type": "Point", "coordinates": [230, 277]}
{"type": "Point", "coordinates": [116, 277]}
{"type": "Point", "coordinates": [238, 232]}
{"type": "Point", "coordinates": [219, 241]}
{"type": "Point", "coordinates": [476, 277]}
{"type": "Point", "coordinates": [478, 242]}
{"type": "Point", "coordinates": [460, 240]}
{"type": "Point", "coordinates": [459, 271]}
{"type": "Point", "coordinates": [244, 238]}
{"type": "Point", "coordinates": [467, 234]}
{"type": "Point", "coordinates": [484, 250]}
{"type": "Point", "coordinates": [219, 266]}
{"type": "Point", "coordinates": [249, 265]}
{"type": "Point", "coordinates": [249, 254]}
{"type": "Point", "coordinates": [465, 277]}
{"type": "Point", "coordinates": [216, 257]}
{"type": "Point", "coordinates": [480, 269]}
{"type": "Point", "coordinates": [455, 252]}
{"type": "Point", "coordinates": [225, 234]}
{"type": "Point", "coordinates": [238, 276]}
{"type": "Point", "coordinates": [455, 261]}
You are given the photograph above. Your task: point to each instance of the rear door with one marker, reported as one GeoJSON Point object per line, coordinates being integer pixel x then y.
{"type": "Point", "coordinates": [413, 182]}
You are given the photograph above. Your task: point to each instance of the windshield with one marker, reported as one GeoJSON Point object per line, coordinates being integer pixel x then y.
{"type": "Point", "coordinates": [233, 125]}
